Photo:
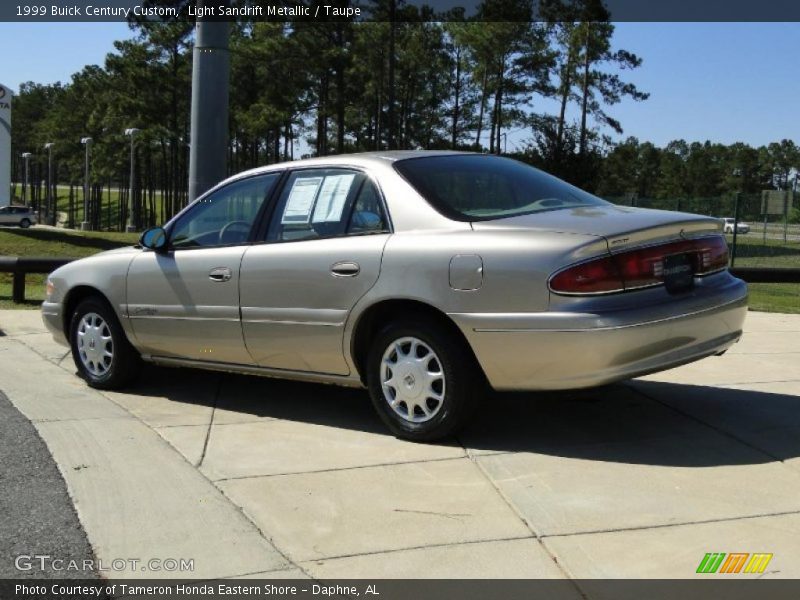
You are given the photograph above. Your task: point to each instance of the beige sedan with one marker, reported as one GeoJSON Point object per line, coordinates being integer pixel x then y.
{"type": "Point", "coordinates": [426, 277]}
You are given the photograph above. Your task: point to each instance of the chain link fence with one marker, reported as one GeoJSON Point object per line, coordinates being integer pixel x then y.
{"type": "Point", "coordinates": [767, 226]}
{"type": "Point", "coordinates": [767, 235]}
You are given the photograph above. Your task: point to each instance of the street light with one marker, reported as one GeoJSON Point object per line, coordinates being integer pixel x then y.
{"type": "Point", "coordinates": [26, 180]}
{"type": "Point", "coordinates": [51, 206]}
{"type": "Point", "coordinates": [130, 226]}
{"type": "Point", "coordinates": [85, 226]}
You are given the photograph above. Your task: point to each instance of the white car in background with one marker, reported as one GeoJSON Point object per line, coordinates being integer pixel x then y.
{"type": "Point", "coordinates": [728, 225]}
{"type": "Point", "coordinates": [23, 216]}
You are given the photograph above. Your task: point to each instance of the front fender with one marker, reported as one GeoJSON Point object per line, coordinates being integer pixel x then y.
{"type": "Point", "coordinates": [106, 273]}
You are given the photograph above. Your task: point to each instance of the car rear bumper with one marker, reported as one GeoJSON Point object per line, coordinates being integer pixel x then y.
{"type": "Point", "coordinates": [567, 350]}
{"type": "Point", "coordinates": [51, 315]}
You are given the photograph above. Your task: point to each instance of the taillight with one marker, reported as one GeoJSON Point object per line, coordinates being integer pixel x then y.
{"type": "Point", "coordinates": [592, 277]}
{"type": "Point", "coordinates": [639, 268]}
{"type": "Point", "coordinates": [712, 253]}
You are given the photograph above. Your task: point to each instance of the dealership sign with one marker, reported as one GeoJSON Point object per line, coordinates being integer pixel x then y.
{"type": "Point", "coordinates": [5, 145]}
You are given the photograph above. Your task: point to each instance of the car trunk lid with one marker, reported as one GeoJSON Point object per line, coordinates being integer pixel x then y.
{"type": "Point", "coordinates": [620, 226]}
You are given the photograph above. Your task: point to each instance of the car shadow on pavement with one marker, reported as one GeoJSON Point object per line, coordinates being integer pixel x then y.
{"type": "Point", "coordinates": [642, 422]}
{"type": "Point", "coordinates": [263, 397]}
{"type": "Point", "coordinates": [637, 422]}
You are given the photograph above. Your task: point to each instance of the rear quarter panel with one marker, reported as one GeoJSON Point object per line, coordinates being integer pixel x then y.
{"type": "Point", "coordinates": [516, 267]}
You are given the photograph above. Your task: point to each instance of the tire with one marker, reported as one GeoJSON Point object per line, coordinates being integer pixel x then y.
{"type": "Point", "coordinates": [444, 394]}
{"type": "Point", "coordinates": [25, 223]}
{"type": "Point", "coordinates": [94, 320]}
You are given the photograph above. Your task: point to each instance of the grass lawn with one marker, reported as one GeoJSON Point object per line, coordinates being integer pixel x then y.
{"type": "Point", "coordinates": [752, 251]}
{"type": "Point", "coordinates": [775, 297]}
{"type": "Point", "coordinates": [109, 206]}
{"type": "Point", "coordinates": [771, 297]}
{"type": "Point", "coordinates": [53, 243]}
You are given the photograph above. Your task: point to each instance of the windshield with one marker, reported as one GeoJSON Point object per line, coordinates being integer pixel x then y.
{"type": "Point", "coordinates": [478, 187]}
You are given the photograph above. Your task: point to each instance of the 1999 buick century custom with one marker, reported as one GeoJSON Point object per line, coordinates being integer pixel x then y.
{"type": "Point", "coordinates": [419, 275]}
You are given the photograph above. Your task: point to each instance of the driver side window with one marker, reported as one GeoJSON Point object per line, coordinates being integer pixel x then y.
{"type": "Point", "coordinates": [224, 218]}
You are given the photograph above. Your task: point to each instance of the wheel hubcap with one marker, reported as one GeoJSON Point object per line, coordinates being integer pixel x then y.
{"type": "Point", "coordinates": [412, 379]}
{"type": "Point", "coordinates": [95, 345]}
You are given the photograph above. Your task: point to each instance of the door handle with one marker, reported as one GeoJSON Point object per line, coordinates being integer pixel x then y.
{"type": "Point", "coordinates": [220, 274]}
{"type": "Point", "coordinates": [345, 269]}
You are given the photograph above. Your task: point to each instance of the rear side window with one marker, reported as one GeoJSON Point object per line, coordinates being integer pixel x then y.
{"type": "Point", "coordinates": [475, 187]}
{"type": "Point", "coordinates": [320, 203]}
{"type": "Point", "coordinates": [367, 215]}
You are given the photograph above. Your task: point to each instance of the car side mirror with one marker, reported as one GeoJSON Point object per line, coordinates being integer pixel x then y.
{"type": "Point", "coordinates": [154, 238]}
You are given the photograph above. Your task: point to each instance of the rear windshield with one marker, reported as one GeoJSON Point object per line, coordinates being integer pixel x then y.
{"type": "Point", "coordinates": [477, 187]}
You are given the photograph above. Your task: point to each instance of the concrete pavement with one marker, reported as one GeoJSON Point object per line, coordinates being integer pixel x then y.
{"type": "Point", "coordinates": [255, 476]}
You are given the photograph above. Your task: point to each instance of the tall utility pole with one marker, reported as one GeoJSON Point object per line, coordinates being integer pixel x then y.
{"type": "Point", "coordinates": [132, 223]}
{"type": "Point", "coordinates": [51, 205]}
{"type": "Point", "coordinates": [391, 133]}
{"type": "Point", "coordinates": [210, 81]}
{"type": "Point", "coordinates": [85, 225]}
{"type": "Point", "coordinates": [26, 156]}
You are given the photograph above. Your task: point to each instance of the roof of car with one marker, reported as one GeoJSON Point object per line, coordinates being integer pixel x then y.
{"type": "Point", "coordinates": [363, 159]}
{"type": "Point", "coordinates": [385, 156]}
{"type": "Point", "coordinates": [393, 155]}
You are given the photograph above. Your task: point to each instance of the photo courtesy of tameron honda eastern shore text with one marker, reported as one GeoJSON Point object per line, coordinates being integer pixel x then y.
{"type": "Point", "coordinates": [426, 277]}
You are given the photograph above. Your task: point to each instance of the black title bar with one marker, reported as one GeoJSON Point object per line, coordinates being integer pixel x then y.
{"type": "Point", "coordinates": [406, 10]}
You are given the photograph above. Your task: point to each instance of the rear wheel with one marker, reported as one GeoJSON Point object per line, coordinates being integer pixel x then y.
{"type": "Point", "coordinates": [101, 351]}
{"type": "Point", "coordinates": [423, 383]}
{"type": "Point", "coordinates": [25, 223]}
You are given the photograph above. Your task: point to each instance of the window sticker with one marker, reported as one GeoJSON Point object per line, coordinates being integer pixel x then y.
{"type": "Point", "coordinates": [332, 197]}
{"type": "Point", "coordinates": [301, 200]}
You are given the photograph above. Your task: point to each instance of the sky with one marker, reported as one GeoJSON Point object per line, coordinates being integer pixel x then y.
{"type": "Point", "coordinates": [724, 82]}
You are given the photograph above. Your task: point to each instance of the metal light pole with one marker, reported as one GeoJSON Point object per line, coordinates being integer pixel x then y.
{"type": "Point", "coordinates": [85, 225]}
{"type": "Point", "coordinates": [51, 205]}
{"type": "Point", "coordinates": [210, 81]}
{"type": "Point", "coordinates": [132, 223]}
{"type": "Point", "coordinates": [26, 156]}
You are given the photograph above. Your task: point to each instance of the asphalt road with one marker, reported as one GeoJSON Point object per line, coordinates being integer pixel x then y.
{"type": "Point", "coordinates": [36, 513]}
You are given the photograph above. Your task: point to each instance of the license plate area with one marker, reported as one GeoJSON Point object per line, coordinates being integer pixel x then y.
{"type": "Point", "coordinates": [678, 273]}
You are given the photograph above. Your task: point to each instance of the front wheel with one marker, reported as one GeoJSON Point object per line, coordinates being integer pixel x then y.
{"type": "Point", "coordinates": [103, 355]}
{"type": "Point", "coordinates": [25, 223]}
{"type": "Point", "coordinates": [423, 380]}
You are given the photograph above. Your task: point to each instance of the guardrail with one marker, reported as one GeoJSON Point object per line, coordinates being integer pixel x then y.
{"type": "Point", "coordinates": [20, 266]}
{"type": "Point", "coordinates": [767, 274]}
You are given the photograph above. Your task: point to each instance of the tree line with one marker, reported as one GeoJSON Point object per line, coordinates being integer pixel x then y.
{"type": "Point", "coordinates": [684, 169]}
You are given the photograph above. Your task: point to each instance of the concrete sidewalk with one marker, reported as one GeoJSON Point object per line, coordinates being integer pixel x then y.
{"type": "Point", "coordinates": [255, 476]}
